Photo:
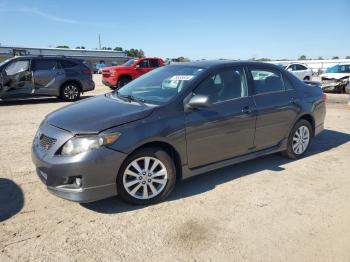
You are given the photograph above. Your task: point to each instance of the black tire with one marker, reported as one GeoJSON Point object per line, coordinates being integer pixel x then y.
{"type": "Point", "coordinates": [70, 92]}
{"type": "Point", "coordinates": [122, 81]}
{"type": "Point", "coordinates": [339, 89]}
{"type": "Point", "coordinates": [289, 152]}
{"type": "Point", "coordinates": [156, 153]}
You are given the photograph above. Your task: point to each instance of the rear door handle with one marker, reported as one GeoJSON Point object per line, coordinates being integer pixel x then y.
{"type": "Point", "coordinates": [246, 110]}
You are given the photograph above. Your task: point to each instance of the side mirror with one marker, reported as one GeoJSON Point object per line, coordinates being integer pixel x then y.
{"type": "Point", "coordinates": [199, 101]}
{"type": "Point", "coordinates": [290, 69]}
{"type": "Point", "coordinates": [137, 66]}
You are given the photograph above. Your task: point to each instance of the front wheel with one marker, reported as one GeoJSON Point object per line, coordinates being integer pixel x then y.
{"type": "Point", "coordinates": [299, 139]}
{"type": "Point", "coordinates": [70, 92]}
{"type": "Point", "coordinates": [146, 177]}
{"type": "Point", "coordinates": [123, 81]}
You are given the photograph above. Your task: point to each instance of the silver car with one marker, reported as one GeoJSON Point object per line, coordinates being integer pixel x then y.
{"type": "Point", "coordinates": [62, 77]}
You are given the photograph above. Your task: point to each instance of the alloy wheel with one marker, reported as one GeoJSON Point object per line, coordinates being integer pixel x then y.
{"type": "Point", "coordinates": [71, 92]}
{"type": "Point", "coordinates": [301, 140]}
{"type": "Point", "coordinates": [145, 177]}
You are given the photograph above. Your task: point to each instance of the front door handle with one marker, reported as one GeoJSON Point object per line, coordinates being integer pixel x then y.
{"type": "Point", "coordinates": [246, 110]}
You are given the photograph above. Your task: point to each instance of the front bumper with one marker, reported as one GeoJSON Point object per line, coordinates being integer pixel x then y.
{"type": "Point", "coordinates": [107, 83]}
{"type": "Point", "coordinates": [97, 169]}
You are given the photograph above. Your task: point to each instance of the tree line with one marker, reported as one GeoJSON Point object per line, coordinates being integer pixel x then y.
{"type": "Point", "coordinates": [133, 52]}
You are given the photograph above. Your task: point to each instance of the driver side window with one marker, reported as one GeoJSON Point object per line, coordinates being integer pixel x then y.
{"type": "Point", "coordinates": [17, 67]}
{"type": "Point", "coordinates": [144, 64]}
{"type": "Point", "coordinates": [224, 85]}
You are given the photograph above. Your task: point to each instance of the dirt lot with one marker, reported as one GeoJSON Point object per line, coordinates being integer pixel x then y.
{"type": "Point", "coordinates": [268, 209]}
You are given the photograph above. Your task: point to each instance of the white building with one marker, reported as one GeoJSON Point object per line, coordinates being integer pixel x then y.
{"type": "Point", "coordinates": [92, 57]}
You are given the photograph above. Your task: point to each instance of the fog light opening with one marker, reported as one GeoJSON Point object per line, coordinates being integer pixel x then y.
{"type": "Point", "coordinates": [78, 181]}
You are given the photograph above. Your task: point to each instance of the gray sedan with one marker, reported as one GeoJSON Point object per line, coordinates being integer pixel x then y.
{"type": "Point", "coordinates": [171, 124]}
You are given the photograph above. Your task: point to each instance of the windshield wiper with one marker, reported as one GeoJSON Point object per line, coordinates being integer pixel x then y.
{"type": "Point", "coordinates": [132, 98]}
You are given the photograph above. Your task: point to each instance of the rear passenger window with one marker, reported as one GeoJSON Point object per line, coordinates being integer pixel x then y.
{"type": "Point", "coordinates": [154, 63]}
{"type": "Point", "coordinates": [287, 84]}
{"type": "Point", "coordinates": [45, 64]}
{"type": "Point", "coordinates": [266, 81]}
{"type": "Point", "coordinates": [300, 67]}
{"type": "Point", "coordinates": [68, 64]}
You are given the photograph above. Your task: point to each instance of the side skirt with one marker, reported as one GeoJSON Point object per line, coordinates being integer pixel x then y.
{"type": "Point", "coordinates": [188, 172]}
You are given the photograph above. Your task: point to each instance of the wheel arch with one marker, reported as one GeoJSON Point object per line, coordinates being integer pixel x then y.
{"type": "Point", "coordinates": [124, 75]}
{"type": "Point", "coordinates": [310, 119]}
{"type": "Point", "coordinates": [170, 149]}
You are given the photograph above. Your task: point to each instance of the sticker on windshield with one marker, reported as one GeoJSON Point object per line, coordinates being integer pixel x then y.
{"type": "Point", "coordinates": [181, 77]}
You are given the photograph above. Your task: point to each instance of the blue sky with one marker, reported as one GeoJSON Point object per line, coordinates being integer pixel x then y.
{"type": "Point", "coordinates": [195, 29]}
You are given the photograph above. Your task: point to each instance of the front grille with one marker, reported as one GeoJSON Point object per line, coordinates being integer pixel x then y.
{"type": "Point", "coordinates": [46, 142]}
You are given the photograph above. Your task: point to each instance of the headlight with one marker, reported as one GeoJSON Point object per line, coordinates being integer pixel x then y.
{"type": "Point", "coordinates": [80, 144]}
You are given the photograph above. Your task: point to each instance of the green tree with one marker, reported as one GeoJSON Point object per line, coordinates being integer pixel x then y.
{"type": "Point", "coordinates": [302, 57]}
{"type": "Point", "coordinates": [118, 48]}
{"type": "Point", "coordinates": [136, 53]}
{"type": "Point", "coordinates": [348, 57]}
{"type": "Point", "coordinates": [62, 46]}
{"type": "Point", "coordinates": [320, 58]}
{"type": "Point", "coordinates": [335, 57]}
{"type": "Point", "coordinates": [106, 48]}
{"type": "Point", "coordinates": [264, 59]}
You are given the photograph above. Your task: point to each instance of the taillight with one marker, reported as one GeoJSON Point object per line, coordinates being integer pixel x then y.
{"type": "Point", "coordinates": [87, 72]}
{"type": "Point", "coordinates": [324, 97]}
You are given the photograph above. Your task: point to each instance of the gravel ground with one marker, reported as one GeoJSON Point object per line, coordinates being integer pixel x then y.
{"type": "Point", "coordinates": [268, 209]}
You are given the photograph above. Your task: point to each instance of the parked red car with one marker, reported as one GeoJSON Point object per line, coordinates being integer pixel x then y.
{"type": "Point", "coordinates": [118, 76]}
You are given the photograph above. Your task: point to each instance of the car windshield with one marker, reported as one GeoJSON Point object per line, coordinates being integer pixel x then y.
{"type": "Point", "coordinates": [130, 62]}
{"type": "Point", "coordinates": [339, 69]}
{"type": "Point", "coordinates": [160, 85]}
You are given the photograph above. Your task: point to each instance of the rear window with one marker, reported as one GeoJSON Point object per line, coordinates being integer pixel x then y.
{"type": "Point", "coordinates": [154, 63]}
{"type": "Point", "coordinates": [68, 64]}
{"type": "Point", "coordinates": [266, 81]}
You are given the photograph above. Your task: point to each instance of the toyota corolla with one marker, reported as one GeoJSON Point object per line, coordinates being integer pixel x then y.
{"type": "Point", "coordinates": [173, 123]}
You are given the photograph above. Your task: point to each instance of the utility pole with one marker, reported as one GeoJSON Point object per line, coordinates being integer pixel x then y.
{"type": "Point", "coordinates": [99, 41]}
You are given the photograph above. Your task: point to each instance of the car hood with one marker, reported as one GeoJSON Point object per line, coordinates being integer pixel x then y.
{"type": "Point", "coordinates": [335, 75]}
{"type": "Point", "coordinates": [117, 67]}
{"type": "Point", "coordinates": [92, 115]}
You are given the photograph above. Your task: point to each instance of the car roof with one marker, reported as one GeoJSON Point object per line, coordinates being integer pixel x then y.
{"type": "Point", "coordinates": [211, 64]}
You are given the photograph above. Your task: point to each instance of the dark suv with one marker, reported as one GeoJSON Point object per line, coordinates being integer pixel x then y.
{"type": "Point", "coordinates": [63, 77]}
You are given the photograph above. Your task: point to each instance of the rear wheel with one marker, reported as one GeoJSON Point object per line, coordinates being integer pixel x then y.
{"type": "Point", "coordinates": [299, 139]}
{"type": "Point", "coordinates": [147, 177]}
{"type": "Point", "coordinates": [70, 92]}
